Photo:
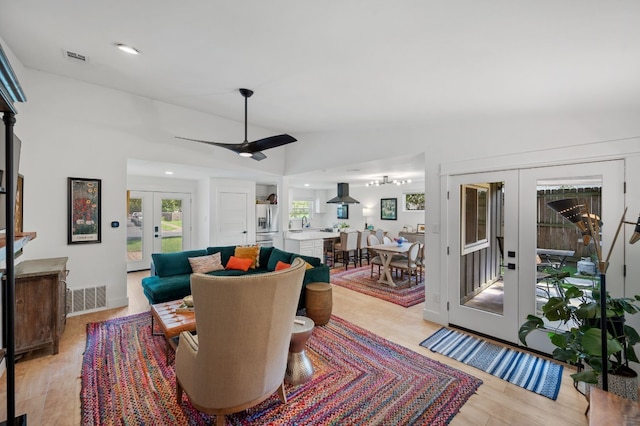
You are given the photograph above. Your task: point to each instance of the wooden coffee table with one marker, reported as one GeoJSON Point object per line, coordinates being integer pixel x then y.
{"type": "Point", "coordinates": [171, 323]}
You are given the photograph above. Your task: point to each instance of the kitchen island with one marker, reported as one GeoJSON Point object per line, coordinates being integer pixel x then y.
{"type": "Point", "coordinates": [309, 243]}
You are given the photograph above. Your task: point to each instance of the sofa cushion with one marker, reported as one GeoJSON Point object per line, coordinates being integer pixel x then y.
{"type": "Point", "coordinates": [278, 255]}
{"type": "Point", "coordinates": [159, 290]}
{"type": "Point", "coordinates": [263, 261]}
{"type": "Point", "coordinates": [281, 265]}
{"type": "Point", "coordinates": [225, 252]}
{"type": "Point", "coordinates": [313, 261]}
{"type": "Point", "coordinates": [208, 263]}
{"type": "Point", "coordinates": [248, 252]}
{"type": "Point", "coordinates": [168, 264]}
{"type": "Point", "coordinates": [238, 263]}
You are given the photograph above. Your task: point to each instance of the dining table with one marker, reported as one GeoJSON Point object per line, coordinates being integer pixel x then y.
{"type": "Point", "coordinates": [386, 253]}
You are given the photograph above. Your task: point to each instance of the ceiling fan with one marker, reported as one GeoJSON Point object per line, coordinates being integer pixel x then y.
{"type": "Point", "coordinates": [250, 149]}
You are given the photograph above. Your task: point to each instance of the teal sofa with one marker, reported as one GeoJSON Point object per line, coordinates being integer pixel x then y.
{"type": "Point", "coordinates": [170, 277]}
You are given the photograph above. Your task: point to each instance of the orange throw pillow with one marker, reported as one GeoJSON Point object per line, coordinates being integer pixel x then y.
{"type": "Point", "coordinates": [248, 252]}
{"type": "Point", "coordinates": [281, 265]}
{"type": "Point", "coordinates": [238, 263]}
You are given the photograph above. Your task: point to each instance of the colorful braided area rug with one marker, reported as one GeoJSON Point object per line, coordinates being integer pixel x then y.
{"type": "Point", "coordinates": [522, 369]}
{"type": "Point", "coordinates": [359, 379]}
{"type": "Point", "coordinates": [359, 279]}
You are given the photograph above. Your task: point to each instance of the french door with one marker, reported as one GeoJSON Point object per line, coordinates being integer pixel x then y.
{"type": "Point", "coordinates": [496, 231]}
{"type": "Point", "coordinates": [158, 222]}
{"type": "Point", "coordinates": [483, 253]}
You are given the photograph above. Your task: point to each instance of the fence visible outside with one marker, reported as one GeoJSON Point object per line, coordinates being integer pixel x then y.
{"type": "Point", "coordinates": [556, 232]}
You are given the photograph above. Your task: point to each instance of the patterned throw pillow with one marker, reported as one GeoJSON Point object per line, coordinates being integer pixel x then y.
{"type": "Point", "coordinates": [249, 252]}
{"type": "Point", "coordinates": [238, 263]}
{"type": "Point", "coordinates": [204, 264]}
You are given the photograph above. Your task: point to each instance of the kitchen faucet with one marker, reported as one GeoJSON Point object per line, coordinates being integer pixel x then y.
{"type": "Point", "coordinates": [304, 221]}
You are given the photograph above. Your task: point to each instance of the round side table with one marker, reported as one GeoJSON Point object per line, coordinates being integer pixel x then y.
{"type": "Point", "coordinates": [319, 302]}
{"type": "Point", "coordinates": [299, 367]}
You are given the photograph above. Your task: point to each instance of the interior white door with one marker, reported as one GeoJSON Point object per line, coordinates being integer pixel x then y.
{"type": "Point", "coordinates": [483, 208]}
{"type": "Point", "coordinates": [232, 218]}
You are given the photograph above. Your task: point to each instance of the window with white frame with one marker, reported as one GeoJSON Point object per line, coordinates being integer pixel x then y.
{"type": "Point", "coordinates": [475, 218]}
{"type": "Point", "coordinates": [300, 209]}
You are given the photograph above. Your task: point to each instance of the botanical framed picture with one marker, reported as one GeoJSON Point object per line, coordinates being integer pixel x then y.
{"type": "Point", "coordinates": [413, 202]}
{"type": "Point", "coordinates": [343, 211]}
{"type": "Point", "coordinates": [84, 210]}
{"type": "Point", "coordinates": [389, 209]}
{"type": "Point", "coordinates": [420, 229]}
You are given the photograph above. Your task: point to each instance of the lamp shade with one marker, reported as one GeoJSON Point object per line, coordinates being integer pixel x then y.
{"type": "Point", "coordinates": [635, 237]}
{"type": "Point", "coordinates": [576, 213]}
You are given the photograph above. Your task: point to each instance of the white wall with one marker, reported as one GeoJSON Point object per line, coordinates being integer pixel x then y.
{"type": "Point", "coordinates": [72, 129]}
{"type": "Point", "coordinates": [69, 128]}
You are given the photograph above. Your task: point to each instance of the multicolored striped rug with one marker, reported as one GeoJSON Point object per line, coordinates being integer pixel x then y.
{"type": "Point", "coordinates": [522, 369]}
{"type": "Point", "coordinates": [359, 279]}
{"type": "Point", "coordinates": [359, 379]}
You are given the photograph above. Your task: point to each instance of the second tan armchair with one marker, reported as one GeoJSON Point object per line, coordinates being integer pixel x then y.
{"type": "Point", "coordinates": [239, 355]}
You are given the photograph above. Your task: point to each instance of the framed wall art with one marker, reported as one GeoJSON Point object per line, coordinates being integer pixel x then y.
{"type": "Point", "coordinates": [389, 209]}
{"type": "Point", "coordinates": [413, 202]}
{"type": "Point", "coordinates": [420, 228]}
{"type": "Point", "coordinates": [84, 210]}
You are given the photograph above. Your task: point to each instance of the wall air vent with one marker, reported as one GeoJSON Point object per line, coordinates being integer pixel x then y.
{"type": "Point", "coordinates": [74, 57]}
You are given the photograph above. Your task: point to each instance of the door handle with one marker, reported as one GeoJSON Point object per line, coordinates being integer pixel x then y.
{"type": "Point", "coordinates": [244, 232]}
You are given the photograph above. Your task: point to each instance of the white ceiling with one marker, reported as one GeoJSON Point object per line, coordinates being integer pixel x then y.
{"type": "Point", "coordinates": [340, 65]}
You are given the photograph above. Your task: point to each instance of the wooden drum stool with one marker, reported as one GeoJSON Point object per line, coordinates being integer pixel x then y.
{"type": "Point", "coordinates": [319, 302]}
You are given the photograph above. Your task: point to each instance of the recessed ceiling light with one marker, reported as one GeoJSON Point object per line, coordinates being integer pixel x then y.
{"type": "Point", "coordinates": [128, 49]}
{"type": "Point", "coordinates": [306, 184]}
{"type": "Point", "coordinates": [168, 172]}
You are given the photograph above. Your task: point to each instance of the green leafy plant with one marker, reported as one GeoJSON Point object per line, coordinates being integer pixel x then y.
{"type": "Point", "coordinates": [577, 336]}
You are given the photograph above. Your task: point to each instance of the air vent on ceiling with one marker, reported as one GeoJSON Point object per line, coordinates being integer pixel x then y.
{"type": "Point", "coordinates": [75, 57]}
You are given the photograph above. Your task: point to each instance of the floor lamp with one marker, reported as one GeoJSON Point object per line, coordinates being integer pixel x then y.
{"type": "Point", "coordinates": [589, 225]}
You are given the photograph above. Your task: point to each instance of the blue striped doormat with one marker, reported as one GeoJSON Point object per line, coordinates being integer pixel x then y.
{"type": "Point", "coordinates": [527, 371]}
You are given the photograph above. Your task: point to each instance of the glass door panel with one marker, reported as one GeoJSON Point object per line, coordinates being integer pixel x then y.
{"type": "Point", "coordinates": [139, 243]}
{"type": "Point", "coordinates": [556, 251]}
{"type": "Point", "coordinates": [483, 280]}
{"type": "Point", "coordinates": [171, 224]}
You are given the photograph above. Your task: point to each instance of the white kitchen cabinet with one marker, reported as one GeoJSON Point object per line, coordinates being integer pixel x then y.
{"type": "Point", "coordinates": [312, 248]}
{"type": "Point", "coordinates": [320, 202]}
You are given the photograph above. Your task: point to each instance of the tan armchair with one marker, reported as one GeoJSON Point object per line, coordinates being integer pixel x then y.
{"type": "Point", "coordinates": [239, 356]}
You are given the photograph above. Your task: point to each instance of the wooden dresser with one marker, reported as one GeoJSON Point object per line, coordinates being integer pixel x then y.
{"type": "Point", "coordinates": [40, 303]}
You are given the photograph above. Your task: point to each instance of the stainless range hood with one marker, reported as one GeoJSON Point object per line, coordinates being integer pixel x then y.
{"type": "Point", "coordinates": [343, 196]}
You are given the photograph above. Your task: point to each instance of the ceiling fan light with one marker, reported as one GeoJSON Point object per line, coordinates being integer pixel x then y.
{"type": "Point", "coordinates": [245, 154]}
{"type": "Point", "coordinates": [128, 49]}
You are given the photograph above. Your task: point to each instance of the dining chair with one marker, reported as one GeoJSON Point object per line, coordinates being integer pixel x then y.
{"type": "Point", "coordinates": [387, 240]}
{"type": "Point", "coordinates": [375, 259]}
{"type": "Point", "coordinates": [410, 264]}
{"type": "Point", "coordinates": [347, 249]}
{"type": "Point", "coordinates": [421, 261]}
{"type": "Point", "coordinates": [363, 252]}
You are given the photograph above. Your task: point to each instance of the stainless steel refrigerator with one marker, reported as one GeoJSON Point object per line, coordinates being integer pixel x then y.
{"type": "Point", "coordinates": [267, 224]}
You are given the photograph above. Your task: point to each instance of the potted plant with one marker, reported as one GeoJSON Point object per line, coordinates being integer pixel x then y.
{"type": "Point", "coordinates": [574, 328]}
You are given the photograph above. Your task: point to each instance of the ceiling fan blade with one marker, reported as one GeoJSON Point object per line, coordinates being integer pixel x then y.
{"type": "Point", "coordinates": [271, 142]}
{"type": "Point", "coordinates": [258, 156]}
{"type": "Point", "coordinates": [232, 146]}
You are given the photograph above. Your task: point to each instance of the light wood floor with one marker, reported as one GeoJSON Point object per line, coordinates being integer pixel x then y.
{"type": "Point", "coordinates": [48, 386]}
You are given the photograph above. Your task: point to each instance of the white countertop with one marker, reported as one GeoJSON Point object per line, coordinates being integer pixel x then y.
{"type": "Point", "coordinates": [310, 235]}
